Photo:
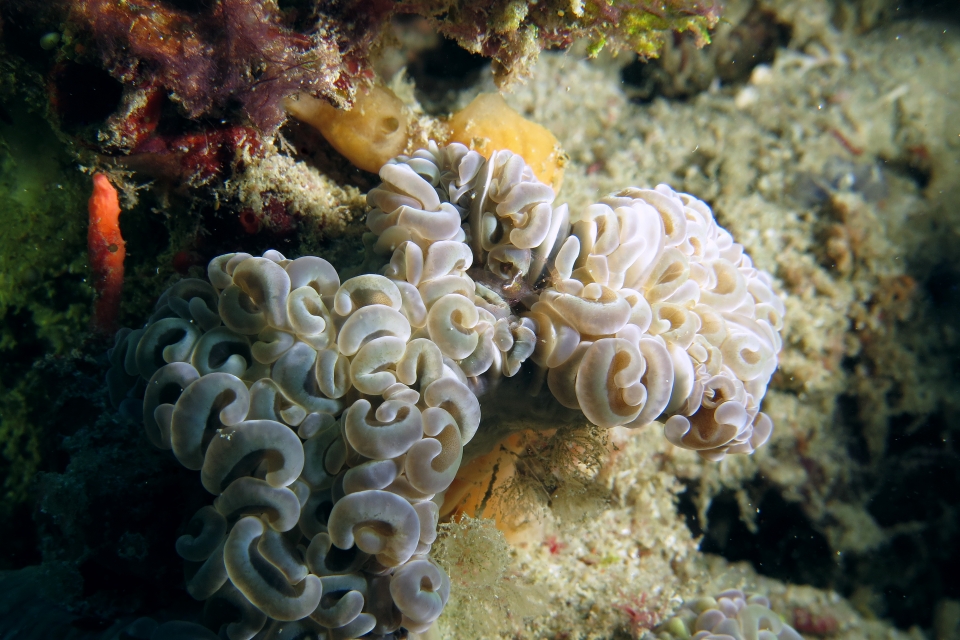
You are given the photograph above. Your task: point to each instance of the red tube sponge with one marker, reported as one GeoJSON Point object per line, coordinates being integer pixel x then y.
{"type": "Point", "coordinates": [106, 250]}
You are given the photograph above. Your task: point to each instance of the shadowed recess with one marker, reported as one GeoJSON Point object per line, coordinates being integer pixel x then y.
{"type": "Point", "coordinates": [785, 545]}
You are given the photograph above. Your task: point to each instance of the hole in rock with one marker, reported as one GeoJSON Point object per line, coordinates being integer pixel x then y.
{"type": "Point", "coordinates": [191, 6]}
{"type": "Point", "coordinates": [441, 70]}
{"type": "Point", "coordinates": [84, 95]}
{"type": "Point", "coordinates": [910, 573]}
{"type": "Point", "coordinates": [922, 485]}
{"type": "Point", "coordinates": [682, 70]}
{"type": "Point", "coordinates": [22, 544]}
{"type": "Point", "coordinates": [915, 166]}
{"type": "Point", "coordinates": [785, 545]}
{"type": "Point", "coordinates": [848, 419]}
{"type": "Point", "coordinates": [73, 413]}
{"type": "Point", "coordinates": [943, 286]}
{"type": "Point", "coordinates": [924, 10]}
{"type": "Point", "coordinates": [301, 15]}
{"type": "Point", "coordinates": [172, 122]}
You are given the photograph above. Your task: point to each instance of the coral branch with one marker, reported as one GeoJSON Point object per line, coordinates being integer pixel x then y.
{"type": "Point", "coordinates": [107, 250]}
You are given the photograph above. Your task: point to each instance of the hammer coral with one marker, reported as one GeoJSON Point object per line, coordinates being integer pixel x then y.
{"type": "Point", "coordinates": [731, 615]}
{"type": "Point", "coordinates": [329, 418]}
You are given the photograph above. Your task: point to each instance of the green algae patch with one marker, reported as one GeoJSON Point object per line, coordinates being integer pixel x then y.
{"type": "Point", "coordinates": [644, 29]}
{"type": "Point", "coordinates": [20, 447]}
{"type": "Point", "coordinates": [486, 596]}
{"type": "Point", "coordinates": [44, 299]}
{"type": "Point", "coordinates": [42, 238]}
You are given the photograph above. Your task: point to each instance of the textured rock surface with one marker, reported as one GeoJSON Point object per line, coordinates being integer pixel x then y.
{"type": "Point", "coordinates": [842, 192]}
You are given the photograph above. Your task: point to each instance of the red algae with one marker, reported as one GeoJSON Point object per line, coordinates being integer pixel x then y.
{"type": "Point", "coordinates": [106, 250]}
{"type": "Point", "coordinates": [229, 53]}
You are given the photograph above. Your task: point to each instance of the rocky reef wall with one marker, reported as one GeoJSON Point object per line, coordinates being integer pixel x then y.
{"type": "Point", "coordinates": [819, 133]}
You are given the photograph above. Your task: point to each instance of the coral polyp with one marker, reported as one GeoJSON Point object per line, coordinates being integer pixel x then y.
{"type": "Point", "coordinates": [329, 418]}
{"type": "Point", "coordinates": [731, 614]}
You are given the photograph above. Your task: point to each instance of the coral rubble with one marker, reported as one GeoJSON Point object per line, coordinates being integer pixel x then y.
{"type": "Point", "coordinates": [44, 301]}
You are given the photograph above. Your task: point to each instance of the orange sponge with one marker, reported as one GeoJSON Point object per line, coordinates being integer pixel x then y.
{"type": "Point", "coordinates": [478, 491]}
{"type": "Point", "coordinates": [106, 250]}
{"type": "Point", "coordinates": [367, 135]}
{"type": "Point", "coordinates": [378, 128]}
{"type": "Point", "coordinates": [488, 124]}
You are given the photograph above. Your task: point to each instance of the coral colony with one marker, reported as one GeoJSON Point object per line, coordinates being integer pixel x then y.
{"type": "Point", "coordinates": [732, 615]}
{"type": "Point", "coordinates": [328, 417]}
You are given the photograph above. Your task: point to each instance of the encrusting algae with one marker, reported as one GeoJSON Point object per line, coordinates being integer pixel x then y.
{"type": "Point", "coordinates": [44, 295]}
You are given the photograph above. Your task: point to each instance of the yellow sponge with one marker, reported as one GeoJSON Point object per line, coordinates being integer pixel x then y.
{"type": "Point", "coordinates": [369, 134]}
{"type": "Point", "coordinates": [488, 124]}
{"type": "Point", "coordinates": [377, 129]}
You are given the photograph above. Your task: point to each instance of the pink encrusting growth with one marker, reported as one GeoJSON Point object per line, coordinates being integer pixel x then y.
{"type": "Point", "coordinates": [205, 59]}
{"type": "Point", "coordinates": [106, 250]}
